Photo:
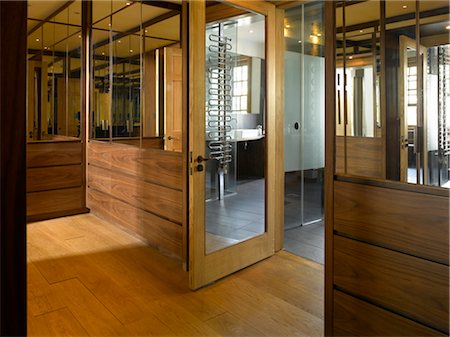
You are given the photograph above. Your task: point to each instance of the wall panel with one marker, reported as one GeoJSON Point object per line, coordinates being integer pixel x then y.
{"type": "Point", "coordinates": [370, 214]}
{"type": "Point", "coordinates": [390, 258]}
{"type": "Point", "coordinates": [55, 179]}
{"type": "Point", "coordinates": [363, 156]}
{"type": "Point", "coordinates": [139, 190]}
{"type": "Point", "coordinates": [354, 317]}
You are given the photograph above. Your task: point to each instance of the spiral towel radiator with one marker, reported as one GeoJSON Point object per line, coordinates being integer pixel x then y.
{"type": "Point", "coordinates": [219, 103]}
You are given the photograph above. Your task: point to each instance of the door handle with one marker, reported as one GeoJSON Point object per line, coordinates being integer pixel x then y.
{"type": "Point", "coordinates": [201, 159]}
{"type": "Point", "coordinates": [170, 138]}
{"type": "Point", "coordinates": [404, 142]}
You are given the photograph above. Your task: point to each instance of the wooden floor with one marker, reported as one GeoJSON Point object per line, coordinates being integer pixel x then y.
{"type": "Point", "coordinates": [88, 278]}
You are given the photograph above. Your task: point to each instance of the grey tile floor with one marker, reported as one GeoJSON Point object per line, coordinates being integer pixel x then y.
{"type": "Point", "coordinates": [239, 216]}
{"type": "Point", "coordinates": [307, 241]}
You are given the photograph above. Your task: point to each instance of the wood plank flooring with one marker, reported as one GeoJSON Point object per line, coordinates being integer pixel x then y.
{"type": "Point", "coordinates": [89, 278]}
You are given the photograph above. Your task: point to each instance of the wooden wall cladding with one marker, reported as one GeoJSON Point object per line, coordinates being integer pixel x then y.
{"type": "Point", "coordinates": [363, 156]}
{"type": "Point", "coordinates": [409, 222]}
{"type": "Point", "coordinates": [54, 179]}
{"type": "Point", "coordinates": [390, 259]}
{"type": "Point", "coordinates": [160, 233]}
{"type": "Point", "coordinates": [159, 200]}
{"type": "Point", "coordinates": [140, 190]}
{"type": "Point", "coordinates": [156, 166]}
{"type": "Point", "coordinates": [413, 287]}
{"type": "Point", "coordinates": [54, 201]}
{"type": "Point", "coordinates": [43, 154]}
{"type": "Point", "coordinates": [354, 317]}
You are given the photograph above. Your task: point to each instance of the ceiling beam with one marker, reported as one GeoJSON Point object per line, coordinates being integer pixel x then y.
{"type": "Point", "coordinates": [162, 4]}
{"type": "Point", "coordinates": [394, 19]}
{"type": "Point", "coordinates": [148, 23]}
{"type": "Point", "coordinates": [56, 12]}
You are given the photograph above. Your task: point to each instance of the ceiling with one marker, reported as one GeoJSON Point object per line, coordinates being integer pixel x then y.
{"type": "Point", "coordinates": [62, 32]}
{"type": "Point", "coordinates": [361, 19]}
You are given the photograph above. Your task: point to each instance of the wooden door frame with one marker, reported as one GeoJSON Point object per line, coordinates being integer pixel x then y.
{"type": "Point", "coordinates": [13, 68]}
{"type": "Point", "coordinates": [274, 165]}
{"type": "Point", "coordinates": [330, 150]}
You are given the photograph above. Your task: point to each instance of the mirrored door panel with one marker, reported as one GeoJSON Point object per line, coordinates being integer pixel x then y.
{"type": "Point", "coordinates": [235, 134]}
{"type": "Point", "coordinates": [232, 138]}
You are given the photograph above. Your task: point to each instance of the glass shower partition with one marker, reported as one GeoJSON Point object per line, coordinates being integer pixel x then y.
{"type": "Point", "coordinates": [304, 115]}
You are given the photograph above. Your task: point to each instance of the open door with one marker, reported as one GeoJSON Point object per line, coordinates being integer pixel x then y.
{"type": "Point", "coordinates": [413, 138]}
{"type": "Point", "coordinates": [232, 175]}
{"type": "Point", "coordinates": [173, 87]}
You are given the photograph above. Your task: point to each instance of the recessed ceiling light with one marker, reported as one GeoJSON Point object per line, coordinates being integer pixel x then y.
{"type": "Point", "coordinates": [118, 41]}
{"type": "Point", "coordinates": [287, 26]}
{"type": "Point", "coordinates": [146, 31]}
{"type": "Point", "coordinates": [128, 3]}
{"type": "Point", "coordinates": [79, 36]}
{"type": "Point", "coordinates": [250, 31]}
{"type": "Point", "coordinates": [404, 6]}
{"type": "Point", "coordinates": [38, 39]}
{"type": "Point", "coordinates": [299, 41]}
{"type": "Point", "coordinates": [45, 48]}
{"type": "Point", "coordinates": [448, 27]}
{"type": "Point", "coordinates": [109, 25]}
{"type": "Point", "coordinates": [103, 53]}
{"type": "Point", "coordinates": [361, 31]}
{"type": "Point", "coordinates": [131, 50]}
{"type": "Point", "coordinates": [350, 57]}
{"type": "Point", "coordinates": [318, 34]}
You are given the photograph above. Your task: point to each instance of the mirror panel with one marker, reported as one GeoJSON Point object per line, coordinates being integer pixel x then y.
{"type": "Point", "coordinates": [131, 55]}
{"type": "Point", "coordinates": [235, 131]}
{"type": "Point", "coordinates": [409, 63]}
{"type": "Point", "coordinates": [54, 100]}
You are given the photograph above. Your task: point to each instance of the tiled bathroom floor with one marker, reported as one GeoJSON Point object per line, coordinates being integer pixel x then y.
{"type": "Point", "coordinates": [236, 218]}
{"type": "Point", "coordinates": [306, 241]}
{"type": "Point", "coordinates": [240, 217]}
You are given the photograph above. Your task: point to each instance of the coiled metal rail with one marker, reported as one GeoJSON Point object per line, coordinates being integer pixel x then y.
{"type": "Point", "coordinates": [220, 99]}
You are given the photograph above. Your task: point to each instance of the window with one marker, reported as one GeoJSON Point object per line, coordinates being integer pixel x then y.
{"type": "Point", "coordinates": [240, 89]}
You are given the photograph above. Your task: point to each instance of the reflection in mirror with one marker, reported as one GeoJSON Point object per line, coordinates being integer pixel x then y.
{"type": "Point", "coordinates": [137, 75]}
{"type": "Point", "coordinates": [358, 65]}
{"type": "Point", "coordinates": [54, 100]}
{"type": "Point", "coordinates": [414, 68]}
{"type": "Point", "coordinates": [235, 130]}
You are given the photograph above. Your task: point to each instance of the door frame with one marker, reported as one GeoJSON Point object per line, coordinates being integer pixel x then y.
{"type": "Point", "coordinates": [405, 43]}
{"type": "Point", "coordinates": [13, 266]}
{"type": "Point", "coordinates": [204, 269]}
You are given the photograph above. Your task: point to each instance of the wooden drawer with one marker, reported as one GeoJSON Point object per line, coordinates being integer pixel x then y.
{"type": "Point", "coordinates": [412, 287]}
{"type": "Point", "coordinates": [408, 222]}
{"type": "Point", "coordinates": [53, 177]}
{"type": "Point", "coordinates": [354, 317]}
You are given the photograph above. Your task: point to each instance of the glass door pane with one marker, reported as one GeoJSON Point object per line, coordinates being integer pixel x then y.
{"type": "Point", "coordinates": [235, 136]}
{"type": "Point", "coordinates": [304, 130]}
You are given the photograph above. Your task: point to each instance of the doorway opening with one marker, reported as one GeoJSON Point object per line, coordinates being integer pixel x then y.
{"type": "Point", "coordinates": [304, 135]}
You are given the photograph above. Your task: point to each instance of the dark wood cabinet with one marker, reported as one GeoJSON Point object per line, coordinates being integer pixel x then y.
{"type": "Point", "coordinates": [250, 155]}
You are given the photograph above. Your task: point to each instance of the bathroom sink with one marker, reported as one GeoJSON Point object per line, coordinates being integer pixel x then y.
{"type": "Point", "coordinates": [247, 134]}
